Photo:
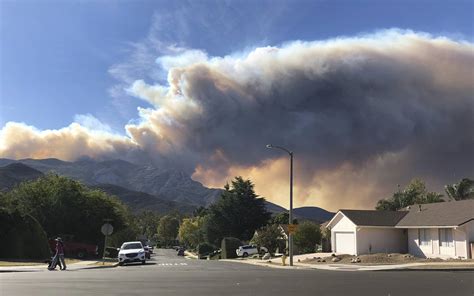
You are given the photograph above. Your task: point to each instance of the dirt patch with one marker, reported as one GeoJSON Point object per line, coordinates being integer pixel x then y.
{"type": "Point", "coordinates": [372, 259]}
{"type": "Point", "coordinates": [104, 263]}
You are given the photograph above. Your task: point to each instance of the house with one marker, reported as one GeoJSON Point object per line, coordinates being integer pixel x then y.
{"type": "Point", "coordinates": [444, 230]}
{"type": "Point", "coordinates": [358, 232]}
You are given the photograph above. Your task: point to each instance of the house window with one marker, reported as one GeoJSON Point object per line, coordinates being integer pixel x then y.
{"type": "Point", "coordinates": [424, 236]}
{"type": "Point", "coordinates": [446, 237]}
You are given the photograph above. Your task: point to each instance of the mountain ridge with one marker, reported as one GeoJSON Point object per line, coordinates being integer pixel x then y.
{"type": "Point", "coordinates": [145, 186]}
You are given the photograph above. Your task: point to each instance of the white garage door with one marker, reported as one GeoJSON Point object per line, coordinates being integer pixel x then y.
{"type": "Point", "coordinates": [345, 243]}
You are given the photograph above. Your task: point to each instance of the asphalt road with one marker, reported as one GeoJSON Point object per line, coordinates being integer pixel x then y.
{"type": "Point", "coordinates": [168, 274]}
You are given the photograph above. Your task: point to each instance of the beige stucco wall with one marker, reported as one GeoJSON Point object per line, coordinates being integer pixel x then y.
{"type": "Point", "coordinates": [433, 249]}
{"type": "Point", "coordinates": [341, 224]}
{"type": "Point", "coordinates": [460, 242]}
{"type": "Point", "coordinates": [381, 240]}
{"type": "Point", "coordinates": [469, 227]}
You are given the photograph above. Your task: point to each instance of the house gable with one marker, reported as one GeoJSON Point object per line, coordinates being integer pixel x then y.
{"type": "Point", "coordinates": [341, 223]}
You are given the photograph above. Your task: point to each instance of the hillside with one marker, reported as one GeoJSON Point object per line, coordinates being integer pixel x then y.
{"type": "Point", "coordinates": [169, 184]}
{"type": "Point", "coordinates": [15, 173]}
{"type": "Point", "coordinates": [313, 213]}
{"type": "Point", "coordinates": [141, 201]}
{"type": "Point", "coordinates": [138, 186]}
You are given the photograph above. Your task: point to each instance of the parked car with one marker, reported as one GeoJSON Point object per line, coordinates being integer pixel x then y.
{"type": "Point", "coordinates": [131, 252]}
{"type": "Point", "coordinates": [247, 250]}
{"type": "Point", "coordinates": [76, 249]}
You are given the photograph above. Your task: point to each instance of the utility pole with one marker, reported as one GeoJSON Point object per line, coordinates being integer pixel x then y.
{"type": "Point", "coordinates": [291, 227]}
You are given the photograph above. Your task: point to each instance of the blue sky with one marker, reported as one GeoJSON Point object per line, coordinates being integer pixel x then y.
{"type": "Point", "coordinates": [60, 59]}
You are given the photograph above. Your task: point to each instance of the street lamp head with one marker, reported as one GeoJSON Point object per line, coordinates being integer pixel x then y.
{"type": "Point", "coordinates": [269, 146]}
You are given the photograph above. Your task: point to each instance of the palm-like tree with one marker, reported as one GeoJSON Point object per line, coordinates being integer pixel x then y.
{"type": "Point", "coordinates": [462, 190]}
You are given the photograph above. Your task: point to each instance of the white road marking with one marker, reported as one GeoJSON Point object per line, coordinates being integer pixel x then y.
{"type": "Point", "coordinates": [172, 264]}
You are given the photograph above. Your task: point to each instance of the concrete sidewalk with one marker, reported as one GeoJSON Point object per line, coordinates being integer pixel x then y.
{"type": "Point", "coordinates": [44, 267]}
{"type": "Point", "coordinates": [276, 263]}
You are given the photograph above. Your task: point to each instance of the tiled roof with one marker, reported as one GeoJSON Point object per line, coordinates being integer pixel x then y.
{"type": "Point", "coordinates": [373, 217]}
{"type": "Point", "coordinates": [452, 213]}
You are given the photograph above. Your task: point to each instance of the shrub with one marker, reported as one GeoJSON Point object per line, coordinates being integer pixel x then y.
{"type": "Point", "coordinates": [228, 247]}
{"type": "Point", "coordinates": [204, 249]}
{"type": "Point", "coordinates": [22, 237]}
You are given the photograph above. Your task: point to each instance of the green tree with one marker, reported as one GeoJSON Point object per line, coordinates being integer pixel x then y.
{"type": "Point", "coordinates": [462, 190]}
{"type": "Point", "coordinates": [200, 212]}
{"type": "Point", "coordinates": [64, 206]}
{"type": "Point", "coordinates": [307, 236]}
{"type": "Point", "coordinates": [147, 223]}
{"type": "Point", "coordinates": [238, 213]}
{"type": "Point", "coordinates": [168, 228]}
{"type": "Point", "coordinates": [282, 219]}
{"type": "Point", "coordinates": [268, 236]}
{"type": "Point", "coordinates": [191, 231]}
{"type": "Point", "coordinates": [414, 193]}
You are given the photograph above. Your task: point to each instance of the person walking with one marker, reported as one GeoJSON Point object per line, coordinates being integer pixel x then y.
{"type": "Point", "coordinates": [60, 254]}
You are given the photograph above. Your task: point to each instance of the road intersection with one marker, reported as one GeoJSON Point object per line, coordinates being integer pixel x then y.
{"type": "Point", "coordinates": [168, 274]}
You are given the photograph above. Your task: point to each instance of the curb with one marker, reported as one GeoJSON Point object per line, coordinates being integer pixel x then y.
{"type": "Point", "coordinates": [45, 269]}
{"type": "Point", "coordinates": [99, 267]}
{"type": "Point", "coordinates": [334, 267]}
{"type": "Point", "coordinates": [190, 255]}
{"type": "Point", "coordinates": [266, 264]}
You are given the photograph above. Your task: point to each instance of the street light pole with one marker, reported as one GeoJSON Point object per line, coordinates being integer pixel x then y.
{"type": "Point", "coordinates": [290, 218]}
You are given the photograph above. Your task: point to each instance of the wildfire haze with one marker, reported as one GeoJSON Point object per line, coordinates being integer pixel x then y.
{"type": "Point", "coordinates": [362, 114]}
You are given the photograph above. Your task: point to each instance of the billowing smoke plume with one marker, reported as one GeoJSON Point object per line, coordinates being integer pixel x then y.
{"type": "Point", "coordinates": [361, 115]}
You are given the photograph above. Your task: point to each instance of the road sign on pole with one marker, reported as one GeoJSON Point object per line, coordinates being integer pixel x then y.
{"type": "Point", "coordinates": [292, 228]}
{"type": "Point", "coordinates": [107, 229]}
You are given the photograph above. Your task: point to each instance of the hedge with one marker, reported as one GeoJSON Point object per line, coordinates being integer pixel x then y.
{"type": "Point", "coordinates": [228, 247]}
{"type": "Point", "coordinates": [204, 249]}
{"type": "Point", "coordinates": [22, 237]}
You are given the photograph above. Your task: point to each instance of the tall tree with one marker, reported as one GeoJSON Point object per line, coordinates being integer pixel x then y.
{"type": "Point", "coordinates": [282, 219]}
{"type": "Point", "coordinates": [168, 228]}
{"type": "Point", "coordinates": [65, 206]}
{"type": "Point", "coordinates": [307, 236]}
{"type": "Point", "coordinates": [191, 231]}
{"type": "Point", "coordinates": [238, 213]}
{"type": "Point", "coordinates": [268, 236]}
{"type": "Point", "coordinates": [414, 193]}
{"type": "Point", "coordinates": [462, 190]}
{"type": "Point", "coordinates": [147, 223]}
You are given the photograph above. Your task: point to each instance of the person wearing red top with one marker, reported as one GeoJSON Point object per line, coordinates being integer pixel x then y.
{"type": "Point", "coordinates": [60, 253]}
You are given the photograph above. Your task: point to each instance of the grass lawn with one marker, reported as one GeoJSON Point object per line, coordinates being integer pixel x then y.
{"type": "Point", "coordinates": [19, 263]}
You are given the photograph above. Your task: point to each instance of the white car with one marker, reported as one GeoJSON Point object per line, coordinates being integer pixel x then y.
{"type": "Point", "coordinates": [131, 252]}
{"type": "Point", "coordinates": [247, 250]}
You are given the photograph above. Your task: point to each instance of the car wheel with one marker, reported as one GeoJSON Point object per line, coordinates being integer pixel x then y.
{"type": "Point", "coordinates": [120, 263]}
{"type": "Point", "coordinates": [245, 254]}
{"type": "Point", "coordinates": [143, 261]}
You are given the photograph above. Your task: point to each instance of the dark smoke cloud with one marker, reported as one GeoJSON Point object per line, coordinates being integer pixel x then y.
{"type": "Point", "coordinates": [371, 111]}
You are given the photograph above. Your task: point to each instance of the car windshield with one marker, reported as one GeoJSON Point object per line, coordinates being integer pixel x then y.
{"type": "Point", "coordinates": [132, 246]}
